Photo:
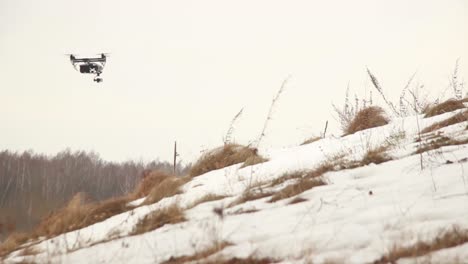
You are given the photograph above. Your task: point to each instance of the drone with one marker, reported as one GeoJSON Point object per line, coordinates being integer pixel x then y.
{"type": "Point", "coordinates": [89, 65]}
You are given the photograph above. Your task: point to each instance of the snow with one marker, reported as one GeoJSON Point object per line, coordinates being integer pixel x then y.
{"type": "Point", "coordinates": [356, 218]}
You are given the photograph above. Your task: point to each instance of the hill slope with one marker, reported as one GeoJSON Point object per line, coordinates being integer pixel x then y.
{"type": "Point", "coordinates": [410, 207]}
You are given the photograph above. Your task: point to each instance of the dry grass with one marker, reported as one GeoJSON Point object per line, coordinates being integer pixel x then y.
{"type": "Point", "coordinates": [217, 247]}
{"type": "Point", "coordinates": [168, 187]}
{"type": "Point", "coordinates": [366, 118]}
{"type": "Point", "coordinates": [78, 214]}
{"type": "Point", "coordinates": [439, 142]}
{"type": "Point", "coordinates": [458, 118]}
{"type": "Point", "coordinates": [376, 156]}
{"type": "Point", "coordinates": [252, 160]}
{"type": "Point", "coordinates": [311, 140]}
{"type": "Point", "coordinates": [297, 200]}
{"type": "Point", "coordinates": [308, 180]}
{"type": "Point", "coordinates": [29, 251]}
{"type": "Point", "coordinates": [445, 107]}
{"type": "Point", "coordinates": [287, 176]}
{"type": "Point", "coordinates": [149, 180]}
{"type": "Point", "coordinates": [250, 195]}
{"type": "Point", "coordinates": [170, 215]}
{"type": "Point", "coordinates": [225, 156]}
{"type": "Point", "coordinates": [13, 242]}
{"type": "Point", "coordinates": [448, 239]}
{"type": "Point", "coordinates": [244, 211]}
{"type": "Point", "coordinates": [248, 260]}
{"type": "Point", "coordinates": [297, 188]}
{"type": "Point", "coordinates": [207, 198]}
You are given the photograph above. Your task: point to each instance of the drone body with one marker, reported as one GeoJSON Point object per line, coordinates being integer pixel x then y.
{"type": "Point", "coordinates": [90, 65]}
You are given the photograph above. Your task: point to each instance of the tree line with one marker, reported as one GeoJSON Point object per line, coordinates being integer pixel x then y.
{"type": "Point", "coordinates": [31, 184]}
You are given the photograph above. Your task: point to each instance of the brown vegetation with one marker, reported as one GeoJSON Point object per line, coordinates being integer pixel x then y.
{"type": "Point", "coordinates": [13, 242]}
{"type": "Point", "coordinates": [250, 195]}
{"type": "Point", "coordinates": [307, 181]}
{"type": "Point", "coordinates": [458, 118]}
{"type": "Point", "coordinates": [287, 176]}
{"type": "Point", "coordinates": [244, 211]}
{"type": "Point", "coordinates": [252, 160]}
{"type": "Point", "coordinates": [225, 156]}
{"type": "Point", "coordinates": [376, 156]}
{"type": "Point", "coordinates": [33, 184]}
{"type": "Point", "coordinates": [207, 198]}
{"type": "Point", "coordinates": [297, 188]}
{"type": "Point", "coordinates": [78, 214]}
{"type": "Point", "coordinates": [248, 260]}
{"type": "Point", "coordinates": [150, 179]}
{"type": "Point", "coordinates": [170, 215]}
{"type": "Point", "coordinates": [440, 141]}
{"type": "Point", "coordinates": [311, 140]}
{"type": "Point", "coordinates": [448, 239]}
{"type": "Point", "coordinates": [445, 107]}
{"type": "Point", "coordinates": [297, 200]}
{"type": "Point", "coordinates": [366, 118]}
{"type": "Point", "coordinates": [198, 255]}
{"type": "Point", "coordinates": [169, 186]}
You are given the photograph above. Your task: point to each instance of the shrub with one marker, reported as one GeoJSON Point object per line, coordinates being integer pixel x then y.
{"type": "Point", "coordinates": [225, 156]}
{"type": "Point", "coordinates": [366, 118]}
{"type": "Point", "coordinates": [170, 215]}
{"type": "Point", "coordinates": [445, 107]}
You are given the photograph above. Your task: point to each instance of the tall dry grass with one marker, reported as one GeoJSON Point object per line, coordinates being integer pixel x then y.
{"type": "Point", "coordinates": [445, 107]}
{"type": "Point", "coordinates": [170, 215]}
{"type": "Point", "coordinates": [366, 118]}
{"type": "Point", "coordinates": [225, 156]}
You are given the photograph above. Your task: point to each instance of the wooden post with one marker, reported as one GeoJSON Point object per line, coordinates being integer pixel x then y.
{"type": "Point", "coordinates": [175, 156]}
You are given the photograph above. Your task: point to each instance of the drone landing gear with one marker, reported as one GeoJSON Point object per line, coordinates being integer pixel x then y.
{"type": "Point", "coordinates": [97, 78]}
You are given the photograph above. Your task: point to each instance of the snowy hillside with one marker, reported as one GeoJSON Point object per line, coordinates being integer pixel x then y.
{"type": "Point", "coordinates": [412, 207]}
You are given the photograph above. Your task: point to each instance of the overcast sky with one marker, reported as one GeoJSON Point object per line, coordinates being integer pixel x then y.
{"type": "Point", "coordinates": [181, 70]}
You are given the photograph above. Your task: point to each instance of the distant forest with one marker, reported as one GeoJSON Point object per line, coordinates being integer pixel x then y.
{"type": "Point", "coordinates": [31, 185]}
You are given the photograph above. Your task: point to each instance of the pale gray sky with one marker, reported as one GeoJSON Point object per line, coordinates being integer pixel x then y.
{"type": "Point", "coordinates": [180, 70]}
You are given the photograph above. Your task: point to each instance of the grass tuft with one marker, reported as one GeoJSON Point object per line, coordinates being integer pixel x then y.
{"type": "Point", "coordinates": [13, 242]}
{"type": "Point", "coordinates": [366, 118]}
{"type": "Point", "coordinates": [311, 140]}
{"type": "Point", "coordinates": [445, 107]}
{"type": "Point", "coordinates": [225, 156]}
{"type": "Point", "coordinates": [149, 180]}
{"type": "Point", "coordinates": [78, 214]}
{"type": "Point", "coordinates": [297, 188]}
{"type": "Point", "coordinates": [440, 141]}
{"type": "Point", "coordinates": [207, 198]}
{"type": "Point", "coordinates": [248, 260]}
{"type": "Point", "coordinates": [376, 156]}
{"type": "Point", "coordinates": [448, 239]}
{"type": "Point", "coordinates": [168, 187]}
{"type": "Point", "coordinates": [250, 195]}
{"type": "Point", "coordinates": [458, 118]}
{"type": "Point", "coordinates": [170, 215]}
